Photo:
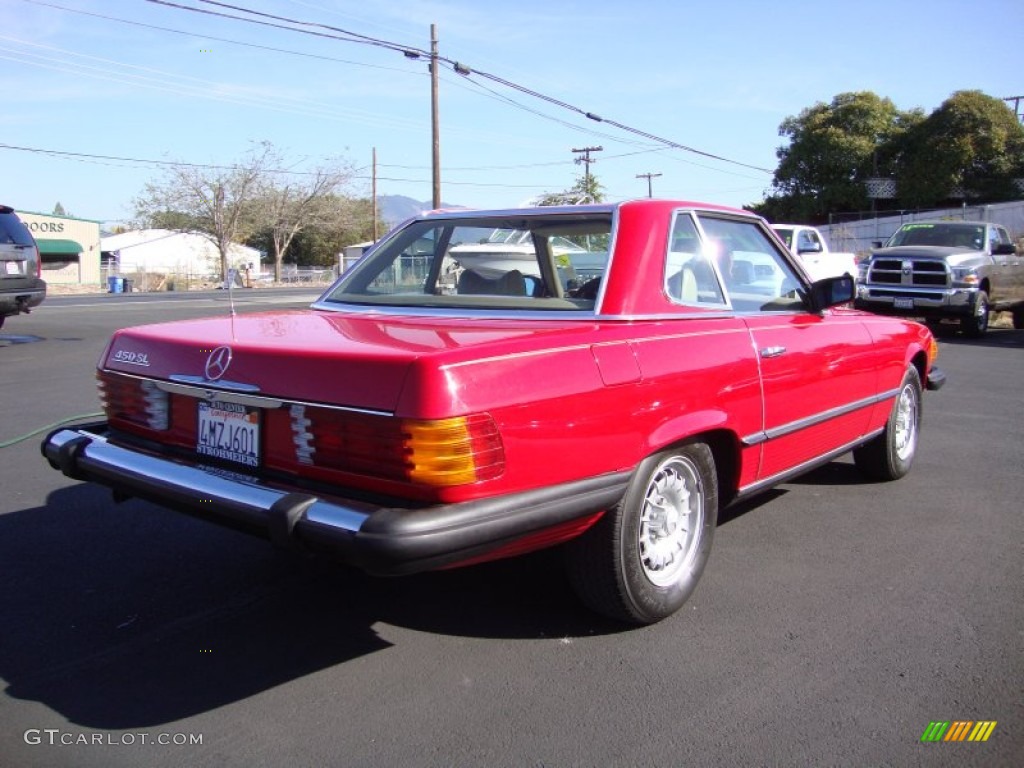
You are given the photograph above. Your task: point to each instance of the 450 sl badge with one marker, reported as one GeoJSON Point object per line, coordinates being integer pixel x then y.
{"type": "Point", "coordinates": [131, 358]}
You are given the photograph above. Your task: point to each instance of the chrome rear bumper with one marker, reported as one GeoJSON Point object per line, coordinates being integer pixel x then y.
{"type": "Point", "coordinates": [379, 539]}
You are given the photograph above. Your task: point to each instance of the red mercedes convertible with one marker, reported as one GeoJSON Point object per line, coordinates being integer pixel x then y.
{"type": "Point", "coordinates": [481, 384]}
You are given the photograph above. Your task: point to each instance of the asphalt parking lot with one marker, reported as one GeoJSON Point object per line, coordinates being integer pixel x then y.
{"type": "Point", "coordinates": [836, 620]}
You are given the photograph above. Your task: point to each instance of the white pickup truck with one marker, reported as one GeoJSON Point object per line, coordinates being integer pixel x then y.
{"type": "Point", "coordinates": [809, 245]}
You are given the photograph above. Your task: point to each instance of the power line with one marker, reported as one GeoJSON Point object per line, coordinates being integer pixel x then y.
{"type": "Point", "coordinates": [201, 36]}
{"type": "Point", "coordinates": [457, 82]}
{"type": "Point", "coordinates": [106, 69]}
{"type": "Point", "coordinates": [406, 50]}
{"type": "Point", "coordinates": [86, 156]}
{"type": "Point", "coordinates": [416, 53]}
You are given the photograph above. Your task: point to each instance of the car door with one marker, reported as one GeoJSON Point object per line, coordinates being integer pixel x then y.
{"type": "Point", "coordinates": [1009, 277]}
{"type": "Point", "coordinates": [818, 370]}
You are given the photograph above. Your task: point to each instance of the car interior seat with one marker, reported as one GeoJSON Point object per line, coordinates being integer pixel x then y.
{"type": "Point", "coordinates": [682, 286]}
{"type": "Point", "coordinates": [510, 283]}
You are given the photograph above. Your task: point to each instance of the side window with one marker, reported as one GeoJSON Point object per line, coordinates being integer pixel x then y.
{"type": "Point", "coordinates": [756, 276]}
{"type": "Point", "coordinates": [808, 241]}
{"type": "Point", "coordinates": [689, 275]}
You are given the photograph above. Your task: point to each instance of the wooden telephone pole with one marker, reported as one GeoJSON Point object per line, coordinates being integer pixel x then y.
{"type": "Point", "coordinates": [373, 192]}
{"type": "Point", "coordinates": [648, 176]}
{"type": "Point", "coordinates": [434, 119]}
{"type": "Point", "coordinates": [587, 160]}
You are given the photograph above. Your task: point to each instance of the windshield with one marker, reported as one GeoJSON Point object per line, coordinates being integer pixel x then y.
{"type": "Point", "coordinates": [950, 235]}
{"type": "Point", "coordinates": [786, 235]}
{"type": "Point", "coordinates": [534, 262]}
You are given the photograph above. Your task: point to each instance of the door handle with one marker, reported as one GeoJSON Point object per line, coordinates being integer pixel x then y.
{"type": "Point", "coordinates": [773, 351]}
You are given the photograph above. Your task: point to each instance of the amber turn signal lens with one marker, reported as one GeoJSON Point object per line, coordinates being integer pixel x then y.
{"type": "Point", "coordinates": [456, 451]}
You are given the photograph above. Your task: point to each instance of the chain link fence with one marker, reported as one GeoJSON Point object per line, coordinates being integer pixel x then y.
{"type": "Point", "coordinates": [158, 278]}
{"type": "Point", "coordinates": [858, 231]}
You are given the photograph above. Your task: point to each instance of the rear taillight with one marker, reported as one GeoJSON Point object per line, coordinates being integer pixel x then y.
{"type": "Point", "coordinates": [457, 451]}
{"type": "Point", "coordinates": [138, 401]}
{"type": "Point", "coordinates": [432, 452]}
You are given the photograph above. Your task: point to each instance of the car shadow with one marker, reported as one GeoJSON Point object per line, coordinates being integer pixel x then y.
{"type": "Point", "coordinates": [738, 509]}
{"type": "Point", "coordinates": [839, 472]}
{"type": "Point", "coordinates": [12, 339]}
{"type": "Point", "coordinates": [130, 616]}
{"type": "Point", "coordinates": [995, 337]}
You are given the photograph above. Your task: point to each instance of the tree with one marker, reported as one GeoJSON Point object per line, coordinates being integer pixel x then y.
{"type": "Point", "coordinates": [58, 210]}
{"type": "Point", "coordinates": [343, 221]}
{"type": "Point", "coordinates": [587, 189]}
{"type": "Point", "coordinates": [292, 207]}
{"type": "Point", "coordinates": [213, 202]}
{"type": "Point", "coordinates": [833, 148]}
{"type": "Point", "coordinates": [971, 147]}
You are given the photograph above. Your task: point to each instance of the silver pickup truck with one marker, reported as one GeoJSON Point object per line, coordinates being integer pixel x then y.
{"type": "Point", "coordinates": [945, 271]}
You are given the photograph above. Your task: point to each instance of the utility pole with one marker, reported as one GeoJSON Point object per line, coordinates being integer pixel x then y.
{"type": "Point", "coordinates": [586, 160]}
{"type": "Point", "coordinates": [1016, 105]}
{"type": "Point", "coordinates": [648, 176]}
{"type": "Point", "coordinates": [373, 192]}
{"type": "Point", "coordinates": [434, 120]}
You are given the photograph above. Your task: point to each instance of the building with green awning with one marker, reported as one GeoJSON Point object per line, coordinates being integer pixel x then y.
{"type": "Point", "coordinates": [60, 247]}
{"type": "Point", "coordinates": [69, 247]}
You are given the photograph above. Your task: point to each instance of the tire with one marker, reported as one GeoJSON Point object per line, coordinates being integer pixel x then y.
{"type": "Point", "coordinates": [1018, 319]}
{"type": "Point", "coordinates": [974, 327]}
{"type": "Point", "coordinates": [644, 557]}
{"type": "Point", "coordinates": [890, 455]}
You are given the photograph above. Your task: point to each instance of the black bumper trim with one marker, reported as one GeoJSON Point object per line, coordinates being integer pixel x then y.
{"type": "Point", "coordinates": [951, 312]}
{"type": "Point", "coordinates": [380, 539]}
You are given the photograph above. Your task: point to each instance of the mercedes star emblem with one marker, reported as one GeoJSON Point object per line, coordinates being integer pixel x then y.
{"type": "Point", "coordinates": [217, 363]}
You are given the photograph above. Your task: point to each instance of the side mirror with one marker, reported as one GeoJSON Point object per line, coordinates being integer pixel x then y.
{"type": "Point", "coordinates": [1005, 249]}
{"type": "Point", "coordinates": [830, 291]}
{"type": "Point", "coordinates": [877, 243]}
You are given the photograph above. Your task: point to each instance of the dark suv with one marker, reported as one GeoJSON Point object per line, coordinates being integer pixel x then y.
{"type": "Point", "coordinates": [21, 288]}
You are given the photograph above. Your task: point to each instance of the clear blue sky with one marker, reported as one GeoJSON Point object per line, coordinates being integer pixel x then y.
{"type": "Point", "coordinates": [717, 77]}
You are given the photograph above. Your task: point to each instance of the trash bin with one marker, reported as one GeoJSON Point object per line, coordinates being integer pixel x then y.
{"type": "Point", "coordinates": [128, 285]}
{"type": "Point", "coordinates": [115, 285]}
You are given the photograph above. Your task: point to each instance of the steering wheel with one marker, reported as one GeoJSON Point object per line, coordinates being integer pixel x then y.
{"type": "Point", "coordinates": [588, 290]}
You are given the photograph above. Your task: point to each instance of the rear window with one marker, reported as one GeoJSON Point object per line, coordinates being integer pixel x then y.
{"type": "Point", "coordinates": [12, 231]}
{"type": "Point", "coordinates": [542, 262]}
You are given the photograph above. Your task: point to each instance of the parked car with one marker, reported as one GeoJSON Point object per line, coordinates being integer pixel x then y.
{"type": "Point", "coordinates": [21, 287]}
{"type": "Point", "coordinates": [945, 271]}
{"type": "Point", "coordinates": [404, 427]}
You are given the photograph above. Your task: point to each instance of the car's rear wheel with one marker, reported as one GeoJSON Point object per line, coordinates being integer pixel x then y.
{"type": "Point", "coordinates": [974, 327]}
{"type": "Point", "coordinates": [643, 559]}
{"type": "Point", "coordinates": [890, 455]}
{"type": "Point", "coordinates": [1018, 319]}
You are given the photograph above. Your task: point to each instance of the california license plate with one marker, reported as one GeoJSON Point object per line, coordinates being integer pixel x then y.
{"type": "Point", "coordinates": [903, 303]}
{"type": "Point", "coordinates": [229, 431]}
